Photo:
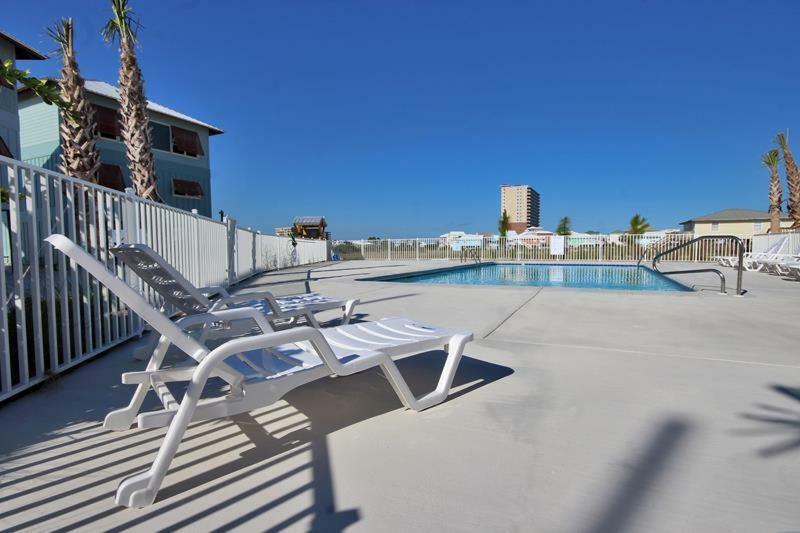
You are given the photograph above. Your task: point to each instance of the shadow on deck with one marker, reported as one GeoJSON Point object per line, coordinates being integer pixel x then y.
{"type": "Point", "coordinates": [268, 469]}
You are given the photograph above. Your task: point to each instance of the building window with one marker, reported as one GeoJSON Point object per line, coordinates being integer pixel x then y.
{"type": "Point", "coordinates": [186, 142]}
{"type": "Point", "coordinates": [756, 227]}
{"type": "Point", "coordinates": [110, 176]}
{"type": "Point", "coordinates": [107, 121]}
{"type": "Point", "coordinates": [4, 150]}
{"type": "Point", "coordinates": [186, 189]}
{"type": "Point", "coordinates": [161, 136]}
{"type": "Point", "coordinates": [715, 226]}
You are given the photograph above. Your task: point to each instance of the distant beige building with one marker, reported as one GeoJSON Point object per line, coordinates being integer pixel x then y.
{"type": "Point", "coordinates": [283, 231]}
{"type": "Point", "coordinates": [522, 203]}
{"type": "Point", "coordinates": [732, 222]}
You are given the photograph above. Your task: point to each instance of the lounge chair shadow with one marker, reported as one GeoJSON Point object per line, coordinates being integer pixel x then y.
{"type": "Point", "coordinates": [777, 419]}
{"type": "Point", "coordinates": [332, 404]}
{"type": "Point", "coordinates": [280, 450]}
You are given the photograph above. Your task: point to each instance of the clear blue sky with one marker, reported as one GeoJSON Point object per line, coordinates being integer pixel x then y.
{"type": "Point", "coordinates": [402, 118]}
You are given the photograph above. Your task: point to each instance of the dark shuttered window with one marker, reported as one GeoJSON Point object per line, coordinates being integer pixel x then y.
{"type": "Point", "coordinates": [186, 142]}
{"type": "Point", "coordinates": [107, 120]}
{"type": "Point", "coordinates": [111, 176]}
{"type": "Point", "coordinates": [4, 150]}
{"type": "Point", "coordinates": [186, 188]}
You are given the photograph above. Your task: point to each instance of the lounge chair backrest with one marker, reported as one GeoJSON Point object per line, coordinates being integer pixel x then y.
{"type": "Point", "coordinates": [130, 297]}
{"type": "Point", "coordinates": [161, 276]}
{"type": "Point", "coordinates": [778, 246]}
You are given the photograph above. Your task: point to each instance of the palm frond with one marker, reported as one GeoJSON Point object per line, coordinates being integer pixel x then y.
{"type": "Point", "coordinates": [122, 25]}
{"type": "Point", "coordinates": [61, 34]}
{"type": "Point", "coordinates": [771, 158]}
{"type": "Point", "coordinates": [781, 140]}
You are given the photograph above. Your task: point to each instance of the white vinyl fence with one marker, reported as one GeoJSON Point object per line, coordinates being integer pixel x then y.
{"type": "Point", "coordinates": [610, 247]}
{"type": "Point", "coordinates": [788, 241]}
{"type": "Point", "coordinates": [54, 315]}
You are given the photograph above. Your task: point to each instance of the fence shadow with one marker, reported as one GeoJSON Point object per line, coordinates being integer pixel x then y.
{"type": "Point", "coordinates": [283, 457]}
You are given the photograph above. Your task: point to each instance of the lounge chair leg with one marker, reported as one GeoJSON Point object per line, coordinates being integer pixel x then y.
{"type": "Point", "coordinates": [123, 418]}
{"type": "Point", "coordinates": [347, 309]}
{"type": "Point", "coordinates": [454, 353]}
{"type": "Point", "coordinates": [140, 490]}
{"type": "Point", "coordinates": [311, 319]}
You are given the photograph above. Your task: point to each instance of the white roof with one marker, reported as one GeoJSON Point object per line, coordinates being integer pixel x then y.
{"type": "Point", "coordinates": [106, 89]}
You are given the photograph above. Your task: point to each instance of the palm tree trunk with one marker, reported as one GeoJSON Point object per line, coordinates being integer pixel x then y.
{"type": "Point", "coordinates": [136, 131]}
{"type": "Point", "coordinates": [79, 155]}
{"type": "Point", "coordinates": [792, 181]}
{"type": "Point", "coordinates": [775, 201]}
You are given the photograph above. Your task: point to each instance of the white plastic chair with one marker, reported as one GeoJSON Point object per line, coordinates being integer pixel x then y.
{"type": "Point", "coordinates": [259, 369]}
{"type": "Point", "coordinates": [181, 293]}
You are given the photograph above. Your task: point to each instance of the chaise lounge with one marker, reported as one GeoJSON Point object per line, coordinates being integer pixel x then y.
{"type": "Point", "coordinates": [258, 369]}
{"type": "Point", "coordinates": [178, 291]}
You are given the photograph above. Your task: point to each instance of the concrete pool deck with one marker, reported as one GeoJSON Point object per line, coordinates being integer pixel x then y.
{"type": "Point", "coordinates": [573, 410]}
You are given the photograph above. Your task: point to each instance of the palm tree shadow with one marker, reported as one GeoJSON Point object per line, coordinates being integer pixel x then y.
{"type": "Point", "coordinates": [776, 419]}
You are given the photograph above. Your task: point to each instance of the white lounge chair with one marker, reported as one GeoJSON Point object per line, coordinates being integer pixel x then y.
{"type": "Point", "coordinates": [750, 259]}
{"type": "Point", "coordinates": [180, 292]}
{"type": "Point", "coordinates": [259, 369]}
{"type": "Point", "coordinates": [779, 263]}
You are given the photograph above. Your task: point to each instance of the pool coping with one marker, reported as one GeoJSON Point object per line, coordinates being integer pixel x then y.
{"type": "Point", "coordinates": [388, 278]}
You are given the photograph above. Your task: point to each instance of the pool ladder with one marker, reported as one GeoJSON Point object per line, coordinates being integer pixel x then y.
{"type": "Point", "coordinates": [722, 290]}
{"type": "Point", "coordinates": [468, 253]}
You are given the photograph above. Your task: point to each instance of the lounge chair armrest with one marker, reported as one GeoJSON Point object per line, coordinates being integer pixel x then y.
{"type": "Point", "coordinates": [211, 290]}
{"type": "Point", "coordinates": [165, 375]}
{"type": "Point", "coordinates": [245, 296]}
{"type": "Point", "coordinates": [266, 296]}
{"type": "Point", "coordinates": [278, 338]}
{"type": "Point", "coordinates": [226, 315]}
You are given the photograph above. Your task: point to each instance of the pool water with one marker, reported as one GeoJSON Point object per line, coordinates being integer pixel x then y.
{"type": "Point", "coordinates": [622, 277]}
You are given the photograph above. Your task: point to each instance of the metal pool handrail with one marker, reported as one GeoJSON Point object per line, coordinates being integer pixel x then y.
{"type": "Point", "coordinates": [740, 254]}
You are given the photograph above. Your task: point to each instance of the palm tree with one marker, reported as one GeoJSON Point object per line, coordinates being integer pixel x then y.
{"type": "Point", "coordinates": [638, 225]}
{"type": "Point", "coordinates": [133, 106]}
{"type": "Point", "coordinates": [563, 227]}
{"type": "Point", "coordinates": [503, 224]}
{"type": "Point", "coordinates": [771, 160]}
{"type": "Point", "coordinates": [79, 155]}
{"type": "Point", "coordinates": [792, 179]}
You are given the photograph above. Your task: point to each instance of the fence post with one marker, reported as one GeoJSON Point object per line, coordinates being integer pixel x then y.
{"type": "Point", "coordinates": [230, 227]}
{"type": "Point", "coordinates": [253, 254]}
{"type": "Point", "coordinates": [362, 249]}
{"type": "Point", "coordinates": [256, 249]}
{"type": "Point", "coordinates": [389, 248]}
{"type": "Point", "coordinates": [417, 248]}
{"type": "Point", "coordinates": [197, 255]}
{"type": "Point", "coordinates": [130, 218]}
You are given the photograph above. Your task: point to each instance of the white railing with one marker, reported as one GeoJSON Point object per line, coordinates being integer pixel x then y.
{"type": "Point", "coordinates": [54, 315]}
{"type": "Point", "coordinates": [607, 248]}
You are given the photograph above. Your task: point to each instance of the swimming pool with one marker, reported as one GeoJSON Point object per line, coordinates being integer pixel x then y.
{"type": "Point", "coordinates": [621, 277]}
